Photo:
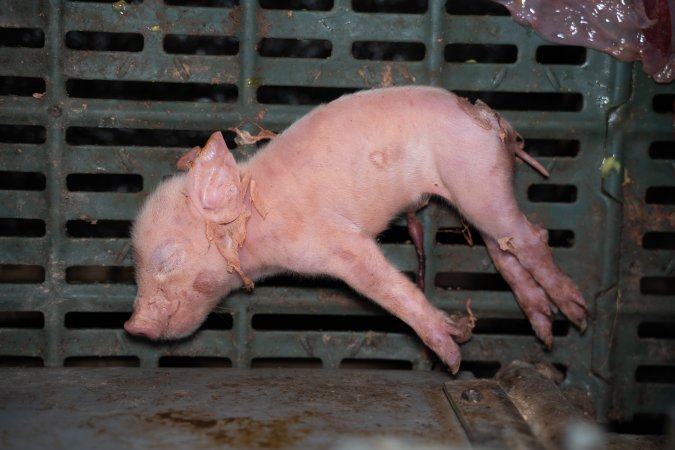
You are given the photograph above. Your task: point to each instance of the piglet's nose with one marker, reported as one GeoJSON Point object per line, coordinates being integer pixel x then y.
{"type": "Point", "coordinates": [141, 328]}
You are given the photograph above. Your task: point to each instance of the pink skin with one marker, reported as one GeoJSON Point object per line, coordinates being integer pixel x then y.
{"type": "Point", "coordinates": [325, 188]}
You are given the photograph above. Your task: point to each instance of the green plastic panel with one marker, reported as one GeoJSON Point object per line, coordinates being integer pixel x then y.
{"type": "Point", "coordinates": [97, 102]}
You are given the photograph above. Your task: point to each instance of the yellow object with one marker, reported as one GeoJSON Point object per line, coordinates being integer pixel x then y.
{"type": "Point", "coordinates": [120, 6]}
{"type": "Point", "coordinates": [608, 165]}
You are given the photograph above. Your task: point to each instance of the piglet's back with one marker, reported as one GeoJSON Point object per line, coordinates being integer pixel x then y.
{"type": "Point", "coordinates": [365, 156]}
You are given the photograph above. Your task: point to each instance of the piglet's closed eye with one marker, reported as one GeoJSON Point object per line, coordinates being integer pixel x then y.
{"type": "Point", "coordinates": [214, 184]}
{"type": "Point", "coordinates": [168, 257]}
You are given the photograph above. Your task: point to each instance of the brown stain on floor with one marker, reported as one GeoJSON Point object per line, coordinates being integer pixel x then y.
{"type": "Point", "coordinates": [239, 432]}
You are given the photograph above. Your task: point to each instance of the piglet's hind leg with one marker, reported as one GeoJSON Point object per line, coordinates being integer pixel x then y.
{"type": "Point", "coordinates": [532, 299]}
{"type": "Point", "coordinates": [529, 243]}
{"type": "Point", "coordinates": [492, 208]}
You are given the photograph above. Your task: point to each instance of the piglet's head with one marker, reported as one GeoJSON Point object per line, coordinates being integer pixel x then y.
{"type": "Point", "coordinates": [181, 275]}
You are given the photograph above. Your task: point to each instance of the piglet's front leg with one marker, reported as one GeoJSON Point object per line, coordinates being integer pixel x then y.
{"type": "Point", "coordinates": [358, 261]}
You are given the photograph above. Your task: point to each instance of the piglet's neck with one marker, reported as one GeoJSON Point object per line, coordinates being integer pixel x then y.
{"type": "Point", "coordinates": [230, 237]}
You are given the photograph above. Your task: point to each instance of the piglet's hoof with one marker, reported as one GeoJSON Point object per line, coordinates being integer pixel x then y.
{"type": "Point", "coordinates": [465, 323]}
{"type": "Point", "coordinates": [449, 331]}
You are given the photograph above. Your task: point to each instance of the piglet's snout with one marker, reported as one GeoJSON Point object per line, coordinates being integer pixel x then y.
{"type": "Point", "coordinates": [150, 317]}
{"type": "Point", "coordinates": [143, 328]}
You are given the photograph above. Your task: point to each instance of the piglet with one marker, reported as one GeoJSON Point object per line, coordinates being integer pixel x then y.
{"type": "Point", "coordinates": [315, 197]}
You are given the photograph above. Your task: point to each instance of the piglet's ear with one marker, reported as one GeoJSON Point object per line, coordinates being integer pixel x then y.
{"type": "Point", "coordinates": [187, 160]}
{"type": "Point", "coordinates": [213, 183]}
